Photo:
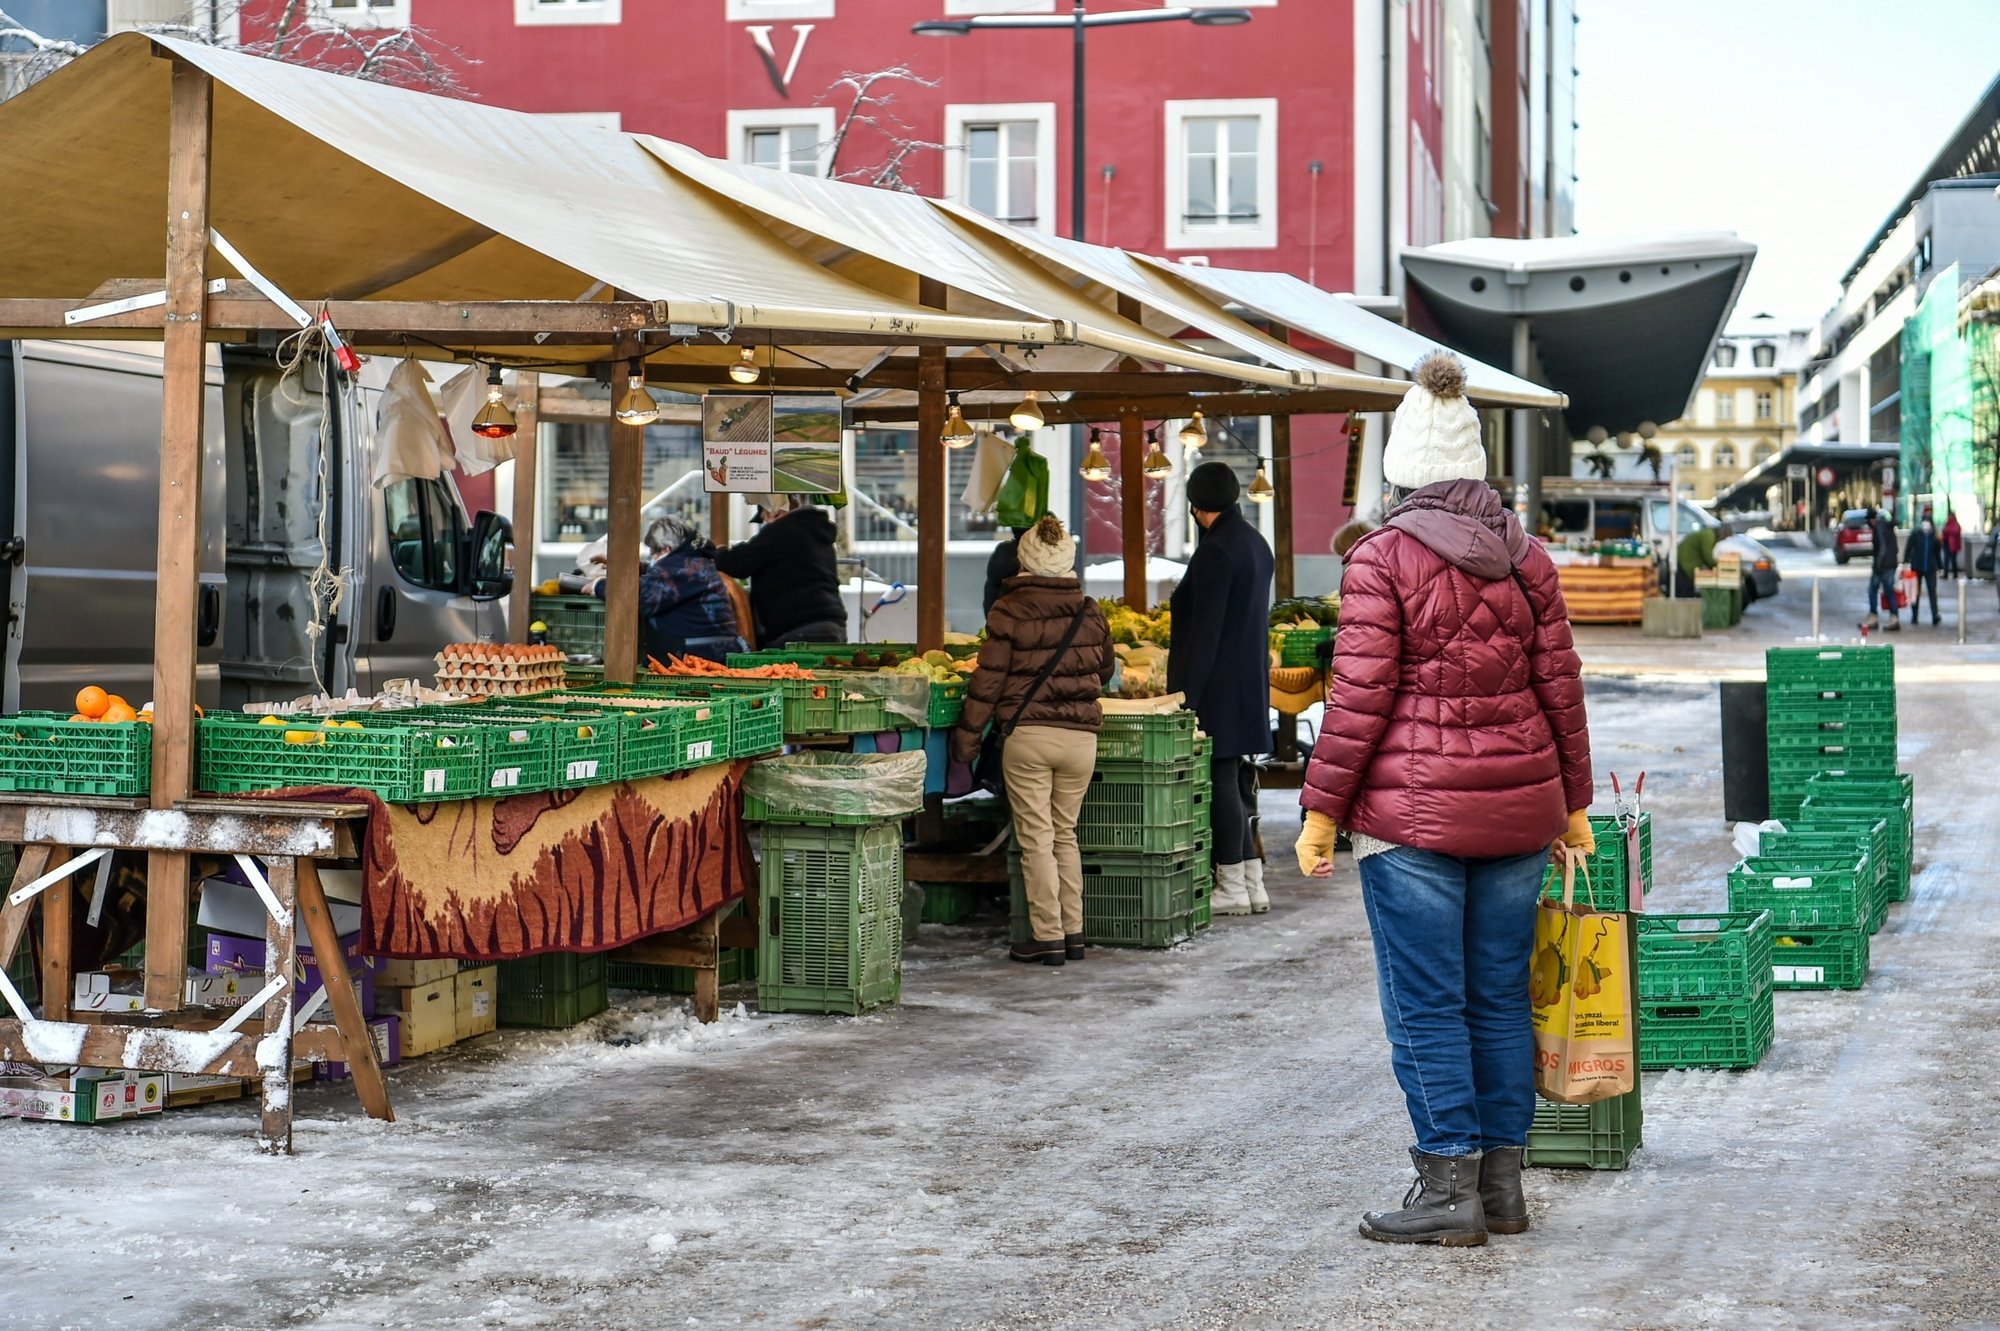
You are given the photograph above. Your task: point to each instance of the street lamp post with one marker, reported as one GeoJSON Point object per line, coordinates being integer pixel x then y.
{"type": "Point", "coordinates": [1080, 21]}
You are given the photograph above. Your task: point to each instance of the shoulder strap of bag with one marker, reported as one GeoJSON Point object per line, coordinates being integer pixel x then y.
{"type": "Point", "coordinates": [1068, 637]}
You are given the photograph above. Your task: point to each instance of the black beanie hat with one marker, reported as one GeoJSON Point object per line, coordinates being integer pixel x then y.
{"type": "Point", "coordinates": [1212, 487]}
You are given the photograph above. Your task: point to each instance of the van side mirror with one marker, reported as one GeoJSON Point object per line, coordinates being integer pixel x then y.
{"type": "Point", "coordinates": [490, 574]}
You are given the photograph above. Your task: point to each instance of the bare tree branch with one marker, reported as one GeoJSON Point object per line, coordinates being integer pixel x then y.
{"type": "Point", "coordinates": [871, 96]}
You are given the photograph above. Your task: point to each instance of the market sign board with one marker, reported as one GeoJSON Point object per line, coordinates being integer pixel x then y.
{"type": "Point", "coordinates": [757, 443]}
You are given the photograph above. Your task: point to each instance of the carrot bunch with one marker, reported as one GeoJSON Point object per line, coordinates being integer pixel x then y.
{"type": "Point", "coordinates": [699, 665]}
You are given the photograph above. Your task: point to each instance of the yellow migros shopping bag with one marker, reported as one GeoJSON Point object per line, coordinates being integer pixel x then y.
{"type": "Point", "coordinates": [1580, 988]}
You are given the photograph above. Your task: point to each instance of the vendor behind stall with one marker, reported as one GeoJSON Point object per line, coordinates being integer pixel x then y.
{"type": "Point", "coordinates": [1696, 551]}
{"type": "Point", "coordinates": [684, 607]}
{"type": "Point", "coordinates": [794, 583]}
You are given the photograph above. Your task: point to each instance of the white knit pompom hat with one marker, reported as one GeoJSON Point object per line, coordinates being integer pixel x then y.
{"type": "Point", "coordinates": [1046, 551]}
{"type": "Point", "coordinates": [1435, 435]}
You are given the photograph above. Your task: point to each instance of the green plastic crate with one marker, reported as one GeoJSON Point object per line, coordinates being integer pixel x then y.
{"type": "Point", "coordinates": [1599, 1136]}
{"type": "Point", "coordinates": [1838, 843]}
{"type": "Point", "coordinates": [576, 623]}
{"type": "Point", "coordinates": [1203, 914]}
{"type": "Point", "coordinates": [1830, 892]}
{"type": "Point", "coordinates": [1609, 885]}
{"type": "Point", "coordinates": [732, 966]}
{"type": "Point", "coordinates": [585, 741]}
{"type": "Point", "coordinates": [553, 989]}
{"type": "Point", "coordinates": [1150, 737]}
{"type": "Point", "coordinates": [1809, 669]}
{"type": "Point", "coordinates": [947, 702]}
{"type": "Point", "coordinates": [1819, 958]}
{"type": "Point", "coordinates": [1128, 900]}
{"type": "Point", "coordinates": [1882, 835]}
{"type": "Point", "coordinates": [1141, 808]}
{"type": "Point", "coordinates": [21, 971]}
{"type": "Point", "coordinates": [1721, 607]}
{"type": "Point", "coordinates": [849, 789]}
{"type": "Point", "coordinates": [1796, 774]}
{"type": "Point", "coordinates": [1300, 647]}
{"type": "Point", "coordinates": [948, 903]}
{"type": "Point", "coordinates": [403, 762]}
{"type": "Point", "coordinates": [1713, 956]}
{"type": "Point", "coordinates": [1811, 731]}
{"type": "Point", "coordinates": [666, 733]}
{"type": "Point", "coordinates": [1885, 794]}
{"type": "Point", "coordinates": [1706, 1033]}
{"type": "Point", "coordinates": [1832, 751]}
{"type": "Point", "coordinates": [46, 752]}
{"type": "Point", "coordinates": [520, 756]}
{"type": "Point", "coordinates": [832, 918]}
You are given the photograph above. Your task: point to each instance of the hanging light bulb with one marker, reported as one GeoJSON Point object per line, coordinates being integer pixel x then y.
{"type": "Point", "coordinates": [1027, 416]}
{"type": "Point", "coordinates": [1194, 434]}
{"type": "Point", "coordinates": [1096, 466]}
{"type": "Point", "coordinates": [495, 420]}
{"type": "Point", "coordinates": [745, 370]}
{"type": "Point", "coordinates": [957, 432]}
{"type": "Point", "coordinates": [1260, 490]}
{"type": "Point", "coordinates": [1157, 465]}
{"type": "Point", "coordinates": [638, 407]}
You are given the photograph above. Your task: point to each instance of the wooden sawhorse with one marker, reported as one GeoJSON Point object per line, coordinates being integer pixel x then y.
{"type": "Point", "coordinates": [59, 835]}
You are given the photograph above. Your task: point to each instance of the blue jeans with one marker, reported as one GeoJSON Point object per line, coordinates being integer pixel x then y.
{"type": "Point", "coordinates": [1880, 584]}
{"type": "Point", "coordinates": [1453, 940]}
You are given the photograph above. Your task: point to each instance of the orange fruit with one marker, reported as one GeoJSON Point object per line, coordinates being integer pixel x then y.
{"type": "Point", "coordinates": [118, 700]}
{"type": "Point", "coordinates": [91, 702]}
{"type": "Point", "coordinates": [198, 711]}
{"type": "Point", "coordinates": [117, 713]}
{"type": "Point", "coordinates": [81, 717]}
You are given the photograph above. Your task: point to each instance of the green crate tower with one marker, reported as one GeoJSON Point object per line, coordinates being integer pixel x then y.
{"type": "Point", "coordinates": [832, 918]}
{"type": "Point", "coordinates": [554, 989]}
{"type": "Point", "coordinates": [1128, 900]}
{"type": "Point", "coordinates": [1828, 709]}
{"type": "Point", "coordinates": [1705, 990]}
{"type": "Point", "coordinates": [1891, 798]}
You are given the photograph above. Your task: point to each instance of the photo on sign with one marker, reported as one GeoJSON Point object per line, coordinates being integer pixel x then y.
{"type": "Point", "coordinates": [805, 452]}
{"type": "Point", "coordinates": [736, 443]}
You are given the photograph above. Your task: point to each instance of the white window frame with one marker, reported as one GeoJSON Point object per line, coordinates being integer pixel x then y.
{"type": "Point", "coordinates": [372, 14]}
{"type": "Point", "coordinates": [819, 117]}
{"type": "Point", "coordinates": [568, 14]}
{"type": "Point", "coordinates": [1263, 236]}
{"type": "Point", "coordinates": [759, 11]}
{"type": "Point", "coordinates": [1725, 406]}
{"type": "Point", "coordinates": [959, 117]}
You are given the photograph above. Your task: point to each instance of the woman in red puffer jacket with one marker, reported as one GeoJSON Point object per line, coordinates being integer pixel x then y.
{"type": "Point", "coordinates": [1454, 751]}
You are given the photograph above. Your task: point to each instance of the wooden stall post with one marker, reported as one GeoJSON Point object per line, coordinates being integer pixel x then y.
{"type": "Point", "coordinates": [280, 965]}
{"type": "Point", "coordinates": [1281, 505]}
{"type": "Point", "coordinates": [621, 599]}
{"type": "Point", "coordinates": [184, 395]}
{"type": "Point", "coordinates": [348, 1018]}
{"type": "Point", "coordinates": [527, 456]}
{"type": "Point", "coordinates": [1132, 518]}
{"type": "Point", "coordinates": [933, 515]}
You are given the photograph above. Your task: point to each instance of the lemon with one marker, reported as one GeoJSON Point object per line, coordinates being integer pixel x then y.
{"type": "Point", "coordinates": [271, 720]}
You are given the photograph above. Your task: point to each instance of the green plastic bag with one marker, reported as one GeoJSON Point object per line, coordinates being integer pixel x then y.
{"type": "Point", "coordinates": [1024, 495]}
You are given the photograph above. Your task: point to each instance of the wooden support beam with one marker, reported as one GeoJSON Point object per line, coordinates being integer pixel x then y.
{"type": "Point", "coordinates": [621, 599]}
{"type": "Point", "coordinates": [184, 396]}
{"type": "Point", "coordinates": [58, 940]}
{"type": "Point", "coordinates": [264, 828]}
{"type": "Point", "coordinates": [1281, 505]}
{"type": "Point", "coordinates": [527, 456]}
{"type": "Point", "coordinates": [1132, 518]}
{"type": "Point", "coordinates": [1169, 402]}
{"type": "Point", "coordinates": [111, 1045]}
{"type": "Point", "coordinates": [340, 996]}
{"type": "Point", "coordinates": [281, 963]}
{"type": "Point", "coordinates": [30, 863]}
{"type": "Point", "coordinates": [932, 513]}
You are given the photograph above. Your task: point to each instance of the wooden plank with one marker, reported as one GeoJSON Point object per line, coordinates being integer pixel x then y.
{"type": "Point", "coordinates": [184, 396]}
{"type": "Point", "coordinates": [340, 996]}
{"type": "Point", "coordinates": [58, 939]}
{"type": "Point", "coordinates": [621, 600]}
{"type": "Point", "coordinates": [250, 828]}
{"type": "Point", "coordinates": [931, 866]}
{"type": "Point", "coordinates": [668, 949]}
{"type": "Point", "coordinates": [160, 1048]}
{"type": "Point", "coordinates": [1132, 511]}
{"type": "Point", "coordinates": [30, 863]}
{"type": "Point", "coordinates": [527, 456]}
{"type": "Point", "coordinates": [281, 963]}
{"type": "Point", "coordinates": [932, 514]}
{"type": "Point", "coordinates": [1281, 505]}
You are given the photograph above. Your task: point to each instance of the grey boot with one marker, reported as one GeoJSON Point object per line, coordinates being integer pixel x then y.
{"type": "Point", "coordinates": [1500, 1195]}
{"type": "Point", "coordinates": [1441, 1207]}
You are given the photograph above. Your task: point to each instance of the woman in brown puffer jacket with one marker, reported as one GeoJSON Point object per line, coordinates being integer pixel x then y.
{"type": "Point", "coordinates": [1052, 748]}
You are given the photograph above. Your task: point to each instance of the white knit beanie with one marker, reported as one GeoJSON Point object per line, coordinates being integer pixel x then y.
{"type": "Point", "coordinates": [1435, 435]}
{"type": "Point", "coordinates": [1045, 550]}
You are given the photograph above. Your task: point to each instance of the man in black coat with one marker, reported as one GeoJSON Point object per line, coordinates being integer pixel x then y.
{"type": "Point", "coordinates": [794, 579]}
{"type": "Point", "coordinates": [1221, 660]}
{"type": "Point", "coordinates": [1002, 564]}
{"type": "Point", "coordinates": [1882, 573]}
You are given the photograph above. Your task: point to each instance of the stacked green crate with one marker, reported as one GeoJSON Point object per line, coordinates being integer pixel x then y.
{"type": "Point", "coordinates": [1705, 990]}
{"type": "Point", "coordinates": [1605, 879]}
{"type": "Point", "coordinates": [553, 989]}
{"type": "Point", "coordinates": [1891, 798]}
{"type": "Point", "coordinates": [831, 918]}
{"type": "Point", "coordinates": [1814, 840]}
{"type": "Point", "coordinates": [575, 623]}
{"type": "Point", "coordinates": [1820, 906]}
{"type": "Point", "coordinates": [1828, 709]}
{"type": "Point", "coordinates": [1141, 823]}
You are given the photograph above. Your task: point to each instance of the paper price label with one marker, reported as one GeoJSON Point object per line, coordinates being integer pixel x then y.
{"type": "Point", "coordinates": [585, 770]}
{"type": "Point", "coordinates": [506, 777]}
{"type": "Point", "coordinates": [434, 781]}
{"type": "Point", "coordinates": [1799, 974]}
{"type": "Point", "coordinates": [701, 752]}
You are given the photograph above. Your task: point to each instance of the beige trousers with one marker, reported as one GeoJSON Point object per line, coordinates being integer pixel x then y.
{"type": "Point", "coordinates": [1048, 771]}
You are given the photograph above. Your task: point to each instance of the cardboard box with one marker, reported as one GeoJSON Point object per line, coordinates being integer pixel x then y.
{"type": "Point", "coordinates": [229, 954]}
{"type": "Point", "coordinates": [429, 1014]}
{"type": "Point", "coordinates": [78, 1098]}
{"type": "Point", "coordinates": [233, 908]}
{"type": "Point", "coordinates": [387, 1035]}
{"type": "Point", "coordinates": [125, 990]}
{"type": "Point", "coordinates": [405, 974]}
{"type": "Point", "coordinates": [478, 1006]}
{"type": "Point", "coordinates": [194, 1088]}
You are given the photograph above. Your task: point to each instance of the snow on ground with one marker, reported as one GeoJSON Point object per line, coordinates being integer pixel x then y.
{"type": "Point", "coordinates": [1179, 1139]}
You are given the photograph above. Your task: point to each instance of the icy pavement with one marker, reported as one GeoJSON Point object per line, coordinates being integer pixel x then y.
{"type": "Point", "coordinates": [1178, 1139]}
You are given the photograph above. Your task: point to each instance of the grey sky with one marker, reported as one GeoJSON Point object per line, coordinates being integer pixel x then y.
{"type": "Point", "coordinates": [1795, 123]}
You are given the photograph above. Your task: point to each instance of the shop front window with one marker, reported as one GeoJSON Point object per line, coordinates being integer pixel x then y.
{"type": "Point", "coordinates": [884, 490]}
{"type": "Point", "coordinates": [576, 491]}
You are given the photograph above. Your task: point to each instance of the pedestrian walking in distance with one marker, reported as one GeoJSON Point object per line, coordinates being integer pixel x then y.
{"type": "Point", "coordinates": [1882, 572]}
{"type": "Point", "coordinates": [1221, 661]}
{"type": "Point", "coordinates": [1052, 747]}
{"type": "Point", "coordinates": [1924, 553]}
{"type": "Point", "coordinates": [1455, 752]}
{"type": "Point", "coordinates": [1954, 541]}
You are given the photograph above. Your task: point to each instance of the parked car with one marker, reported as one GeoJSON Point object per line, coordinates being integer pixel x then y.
{"type": "Point", "coordinates": [1627, 510]}
{"type": "Point", "coordinates": [1853, 537]}
{"type": "Point", "coordinates": [79, 522]}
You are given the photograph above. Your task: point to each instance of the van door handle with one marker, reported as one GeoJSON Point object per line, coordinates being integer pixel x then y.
{"type": "Point", "coordinates": [385, 614]}
{"type": "Point", "coordinates": [209, 624]}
